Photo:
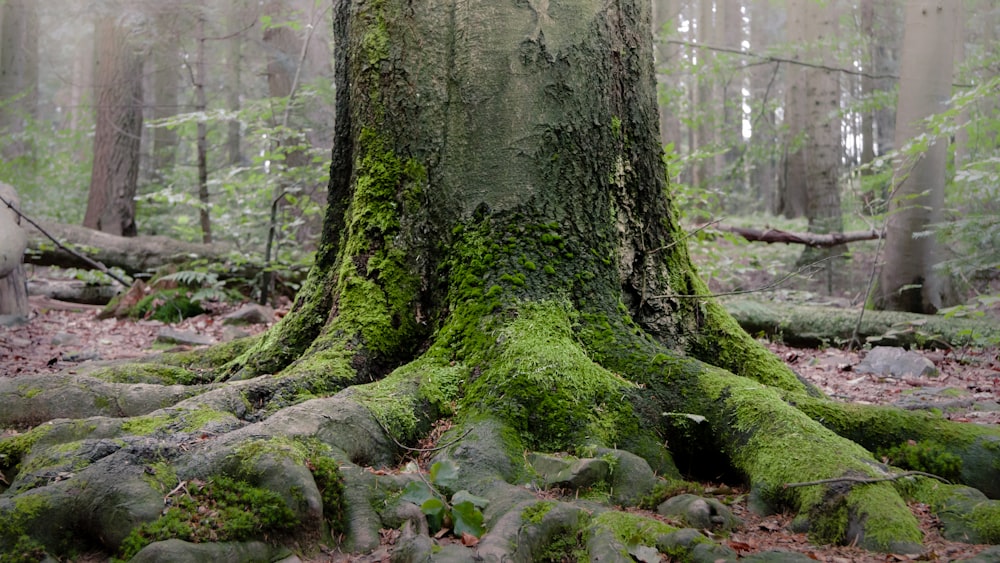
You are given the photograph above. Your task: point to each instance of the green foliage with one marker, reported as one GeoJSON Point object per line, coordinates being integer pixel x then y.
{"type": "Point", "coordinates": [220, 509]}
{"type": "Point", "coordinates": [168, 306]}
{"type": "Point", "coordinates": [463, 514]}
{"type": "Point", "coordinates": [53, 177]}
{"type": "Point", "coordinates": [929, 457]}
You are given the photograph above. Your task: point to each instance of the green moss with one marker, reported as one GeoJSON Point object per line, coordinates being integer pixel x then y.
{"type": "Point", "coordinates": [780, 445]}
{"type": "Point", "coordinates": [536, 512]}
{"type": "Point", "coordinates": [545, 386]}
{"type": "Point", "coordinates": [158, 374]}
{"type": "Point", "coordinates": [178, 420]}
{"type": "Point", "coordinates": [16, 546]}
{"type": "Point", "coordinates": [29, 392]}
{"type": "Point", "coordinates": [160, 476]}
{"type": "Point", "coordinates": [377, 291]}
{"type": "Point", "coordinates": [548, 269]}
{"type": "Point", "coordinates": [928, 456]}
{"type": "Point", "coordinates": [632, 529]}
{"type": "Point", "coordinates": [14, 448]}
{"type": "Point", "coordinates": [219, 509]}
{"type": "Point", "coordinates": [146, 424]}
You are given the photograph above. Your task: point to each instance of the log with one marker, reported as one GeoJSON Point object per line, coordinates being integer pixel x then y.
{"type": "Point", "coordinates": [132, 254]}
{"type": "Point", "coordinates": [817, 240]}
{"type": "Point", "coordinates": [813, 326]}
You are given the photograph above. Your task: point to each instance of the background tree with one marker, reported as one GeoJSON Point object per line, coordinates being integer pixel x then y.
{"type": "Point", "coordinates": [909, 280]}
{"type": "Point", "coordinates": [18, 72]}
{"type": "Point", "coordinates": [499, 256]}
{"type": "Point", "coordinates": [118, 97]}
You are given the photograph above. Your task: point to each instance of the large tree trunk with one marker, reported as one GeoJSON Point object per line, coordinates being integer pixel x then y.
{"type": "Point", "coordinates": [499, 250]}
{"type": "Point", "coordinates": [118, 95]}
{"type": "Point", "coordinates": [910, 280]}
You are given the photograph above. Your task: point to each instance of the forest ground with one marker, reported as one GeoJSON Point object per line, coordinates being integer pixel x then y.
{"type": "Point", "coordinates": [59, 337]}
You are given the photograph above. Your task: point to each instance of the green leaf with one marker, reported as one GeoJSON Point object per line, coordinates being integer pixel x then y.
{"type": "Point", "coordinates": [417, 492]}
{"type": "Point", "coordinates": [435, 510]}
{"type": "Point", "coordinates": [444, 474]}
{"type": "Point", "coordinates": [463, 496]}
{"type": "Point", "coordinates": [468, 519]}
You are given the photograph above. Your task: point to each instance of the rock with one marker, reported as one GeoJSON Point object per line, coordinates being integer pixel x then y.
{"type": "Point", "coordinates": [896, 362]}
{"type": "Point", "coordinates": [171, 336]}
{"type": "Point", "coordinates": [250, 314]}
{"type": "Point", "coordinates": [631, 477]}
{"type": "Point", "coordinates": [569, 472]}
{"type": "Point", "coordinates": [17, 342]}
{"type": "Point", "coordinates": [988, 555]}
{"type": "Point", "coordinates": [700, 513]}
{"type": "Point", "coordinates": [230, 333]}
{"type": "Point", "coordinates": [65, 339]}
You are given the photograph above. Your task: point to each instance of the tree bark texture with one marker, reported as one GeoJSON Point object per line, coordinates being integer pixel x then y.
{"type": "Point", "coordinates": [118, 98]}
{"type": "Point", "coordinates": [909, 280]}
{"type": "Point", "coordinates": [499, 250]}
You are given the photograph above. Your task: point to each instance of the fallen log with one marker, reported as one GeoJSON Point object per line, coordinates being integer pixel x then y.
{"type": "Point", "coordinates": [818, 240]}
{"type": "Point", "coordinates": [132, 254]}
{"type": "Point", "coordinates": [813, 326]}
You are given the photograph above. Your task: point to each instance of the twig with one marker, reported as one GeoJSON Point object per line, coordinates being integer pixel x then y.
{"type": "Point", "coordinates": [407, 448]}
{"type": "Point", "coordinates": [96, 265]}
{"type": "Point", "coordinates": [771, 285]}
{"type": "Point", "coordinates": [866, 479]}
{"type": "Point", "coordinates": [792, 61]}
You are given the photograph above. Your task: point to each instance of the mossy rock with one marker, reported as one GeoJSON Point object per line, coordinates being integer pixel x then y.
{"type": "Point", "coordinates": [700, 513]}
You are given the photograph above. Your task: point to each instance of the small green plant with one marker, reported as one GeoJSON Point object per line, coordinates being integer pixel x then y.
{"type": "Point", "coordinates": [462, 513]}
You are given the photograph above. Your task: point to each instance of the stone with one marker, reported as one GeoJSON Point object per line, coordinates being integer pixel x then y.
{"type": "Point", "coordinates": [65, 339]}
{"type": "Point", "coordinates": [698, 512]}
{"type": "Point", "coordinates": [896, 362]}
{"type": "Point", "coordinates": [250, 314]}
{"type": "Point", "coordinates": [171, 336]}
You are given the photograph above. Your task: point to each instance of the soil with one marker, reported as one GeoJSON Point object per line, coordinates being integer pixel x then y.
{"type": "Point", "coordinates": [60, 336]}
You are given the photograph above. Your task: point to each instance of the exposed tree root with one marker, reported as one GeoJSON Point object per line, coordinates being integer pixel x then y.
{"type": "Point", "coordinates": [124, 479]}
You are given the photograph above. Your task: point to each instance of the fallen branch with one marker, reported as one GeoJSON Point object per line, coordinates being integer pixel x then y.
{"type": "Point", "coordinates": [91, 263]}
{"type": "Point", "coordinates": [816, 240]}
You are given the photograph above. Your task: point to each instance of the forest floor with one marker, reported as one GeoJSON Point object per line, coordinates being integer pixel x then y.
{"type": "Point", "coordinates": [63, 336]}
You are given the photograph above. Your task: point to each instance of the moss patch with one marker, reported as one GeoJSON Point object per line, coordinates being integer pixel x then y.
{"type": "Point", "coordinates": [544, 385]}
{"type": "Point", "coordinates": [219, 509]}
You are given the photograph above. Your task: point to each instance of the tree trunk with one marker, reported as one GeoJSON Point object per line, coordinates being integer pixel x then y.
{"type": "Point", "coordinates": [499, 250]}
{"type": "Point", "coordinates": [793, 195]}
{"type": "Point", "coordinates": [118, 96]}
{"type": "Point", "coordinates": [166, 83]}
{"type": "Point", "coordinates": [909, 280]}
{"type": "Point", "coordinates": [18, 73]}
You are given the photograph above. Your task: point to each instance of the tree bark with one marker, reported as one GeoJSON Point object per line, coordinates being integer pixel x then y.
{"type": "Point", "coordinates": [118, 96]}
{"type": "Point", "coordinates": [909, 280]}
{"type": "Point", "coordinates": [499, 250]}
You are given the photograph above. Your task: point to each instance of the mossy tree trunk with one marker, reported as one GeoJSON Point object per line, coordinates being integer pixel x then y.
{"type": "Point", "coordinates": [500, 251]}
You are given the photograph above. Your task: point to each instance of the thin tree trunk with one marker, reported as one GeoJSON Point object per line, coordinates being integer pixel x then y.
{"type": "Point", "coordinates": [118, 133]}
{"type": "Point", "coordinates": [166, 83]}
{"type": "Point", "coordinates": [204, 212]}
{"type": "Point", "coordinates": [793, 200]}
